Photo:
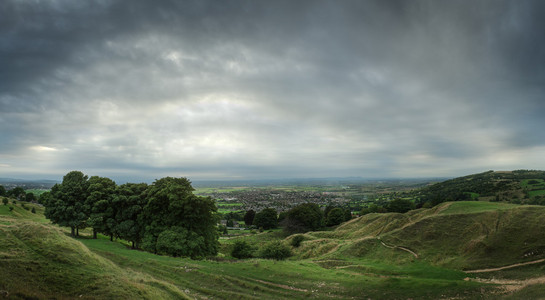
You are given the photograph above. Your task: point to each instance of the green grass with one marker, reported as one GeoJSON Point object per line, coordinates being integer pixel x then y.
{"type": "Point", "coordinates": [465, 207]}
{"type": "Point", "coordinates": [536, 193]}
{"type": "Point", "coordinates": [39, 260]}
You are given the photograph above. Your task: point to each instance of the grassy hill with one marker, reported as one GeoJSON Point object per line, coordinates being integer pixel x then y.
{"type": "Point", "coordinates": [520, 186]}
{"type": "Point", "coordinates": [419, 255]}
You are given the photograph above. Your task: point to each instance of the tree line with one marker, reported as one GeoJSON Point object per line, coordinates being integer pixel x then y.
{"type": "Point", "coordinates": [164, 217]}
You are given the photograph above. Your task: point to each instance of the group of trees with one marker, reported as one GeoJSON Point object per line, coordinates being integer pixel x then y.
{"type": "Point", "coordinates": [17, 193]}
{"type": "Point", "coordinates": [164, 217]}
{"type": "Point", "coordinates": [302, 218]}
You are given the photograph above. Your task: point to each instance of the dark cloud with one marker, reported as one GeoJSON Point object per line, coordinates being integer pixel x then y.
{"type": "Point", "coordinates": [271, 89]}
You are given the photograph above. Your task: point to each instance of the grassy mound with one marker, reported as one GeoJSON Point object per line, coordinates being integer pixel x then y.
{"type": "Point", "coordinates": [461, 235]}
{"type": "Point", "coordinates": [40, 261]}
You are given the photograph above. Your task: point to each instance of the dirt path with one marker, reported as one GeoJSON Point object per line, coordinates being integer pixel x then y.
{"type": "Point", "coordinates": [506, 267]}
{"type": "Point", "coordinates": [510, 285]}
{"type": "Point", "coordinates": [398, 247]}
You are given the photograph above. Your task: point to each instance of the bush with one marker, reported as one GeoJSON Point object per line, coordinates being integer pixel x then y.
{"type": "Point", "coordinates": [242, 250]}
{"type": "Point", "coordinates": [275, 250]}
{"type": "Point", "coordinates": [33, 210]}
{"type": "Point", "coordinates": [266, 219]}
{"type": "Point", "coordinates": [10, 208]}
{"type": "Point", "coordinates": [5, 201]}
{"type": "Point", "coordinates": [296, 240]}
{"type": "Point", "coordinates": [178, 241]}
{"type": "Point", "coordinates": [335, 217]}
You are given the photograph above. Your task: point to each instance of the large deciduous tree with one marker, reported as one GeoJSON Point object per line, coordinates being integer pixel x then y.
{"type": "Point", "coordinates": [65, 205]}
{"type": "Point", "coordinates": [266, 219]}
{"type": "Point", "coordinates": [130, 200]}
{"type": "Point", "coordinates": [100, 206]}
{"type": "Point", "coordinates": [304, 217]}
{"type": "Point", "coordinates": [249, 217]}
{"type": "Point", "coordinates": [178, 223]}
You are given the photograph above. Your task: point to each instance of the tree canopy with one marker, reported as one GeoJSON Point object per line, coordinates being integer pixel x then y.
{"type": "Point", "coordinates": [304, 217]}
{"type": "Point", "coordinates": [266, 219]}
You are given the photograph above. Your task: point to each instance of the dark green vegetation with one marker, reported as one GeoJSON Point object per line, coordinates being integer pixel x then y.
{"type": "Point", "coordinates": [165, 217]}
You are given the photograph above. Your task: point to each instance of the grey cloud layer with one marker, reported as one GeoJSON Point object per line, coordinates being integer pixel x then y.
{"type": "Point", "coordinates": [271, 89]}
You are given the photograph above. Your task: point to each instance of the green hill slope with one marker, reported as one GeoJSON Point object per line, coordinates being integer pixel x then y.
{"type": "Point", "coordinates": [520, 186]}
{"type": "Point", "coordinates": [460, 235]}
{"type": "Point", "coordinates": [38, 261]}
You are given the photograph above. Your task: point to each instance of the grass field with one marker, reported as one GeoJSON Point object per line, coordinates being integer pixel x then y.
{"type": "Point", "coordinates": [39, 261]}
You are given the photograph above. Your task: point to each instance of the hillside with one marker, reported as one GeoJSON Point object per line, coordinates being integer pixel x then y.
{"type": "Point", "coordinates": [421, 255]}
{"type": "Point", "coordinates": [520, 186]}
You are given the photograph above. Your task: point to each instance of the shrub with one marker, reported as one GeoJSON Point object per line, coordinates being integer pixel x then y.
{"type": "Point", "coordinates": [10, 208]}
{"type": "Point", "coordinates": [266, 219]}
{"type": "Point", "coordinates": [335, 217]}
{"type": "Point", "coordinates": [242, 249]}
{"type": "Point", "coordinates": [275, 250]}
{"type": "Point", "coordinates": [296, 240]}
{"type": "Point", "coordinates": [33, 210]}
{"type": "Point", "coordinates": [5, 201]}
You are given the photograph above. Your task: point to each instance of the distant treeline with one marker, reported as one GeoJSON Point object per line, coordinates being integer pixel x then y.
{"type": "Point", "coordinates": [164, 217]}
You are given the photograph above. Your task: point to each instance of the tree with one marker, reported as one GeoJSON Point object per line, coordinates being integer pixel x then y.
{"type": "Point", "coordinates": [129, 201]}
{"type": "Point", "coordinates": [177, 222]}
{"type": "Point", "coordinates": [249, 217]}
{"type": "Point", "coordinates": [266, 219]}
{"type": "Point", "coordinates": [400, 205]}
{"type": "Point", "coordinates": [17, 193]}
{"type": "Point", "coordinates": [30, 197]}
{"type": "Point", "coordinates": [304, 217]}
{"type": "Point", "coordinates": [242, 250]}
{"type": "Point", "coordinates": [335, 217]}
{"type": "Point", "coordinates": [65, 205]}
{"type": "Point", "coordinates": [2, 191]}
{"type": "Point", "coordinates": [347, 214]}
{"type": "Point", "coordinates": [5, 201]}
{"type": "Point", "coordinates": [99, 202]}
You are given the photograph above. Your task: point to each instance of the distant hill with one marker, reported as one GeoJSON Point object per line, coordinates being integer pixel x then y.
{"type": "Point", "coordinates": [520, 187]}
{"type": "Point", "coordinates": [10, 183]}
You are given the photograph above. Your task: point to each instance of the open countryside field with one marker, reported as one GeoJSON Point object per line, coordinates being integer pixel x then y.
{"type": "Point", "coordinates": [421, 255]}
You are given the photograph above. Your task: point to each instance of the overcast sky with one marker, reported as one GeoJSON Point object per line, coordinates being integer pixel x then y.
{"type": "Point", "coordinates": [138, 90]}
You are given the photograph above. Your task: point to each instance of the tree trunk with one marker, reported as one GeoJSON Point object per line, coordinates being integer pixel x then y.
{"type": "Point", "coordinates": [94, 234]}
{"type": "Point", "coordinates": [111, 237]}
{"type": "Point", "coordinates": [132, 246]}
{"type": "Point", "coordinates": [73, 231]}
{"type": "Point", "coordinates": [77, 231]}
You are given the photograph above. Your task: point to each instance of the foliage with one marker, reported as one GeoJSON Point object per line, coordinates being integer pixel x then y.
{"type": "Point", "coordinates": [400, 205]}
{"type": "Point", "coordinates": [249, 217]}
{"type": "Point", "coordinates": [17, 193]}
{"type": "Point", "coordinates": [266, 219]}
{"type": "Point", "coordinates": [172, 211]}
{"type": "Point", "coordinates": [66, 203]}
{"type": "Point", "coordinates": [5, 201]}
{"type": "Point", "coordinates": [335, 217]}
{"type": "Point", "coordinates": [2, 191]}
{"type": "Point", "coordinates": [297, 240]}
{"type": "Point", "coordinates": [99, 201]}
{"type": "Point", "coordinates": [277, 250]}
{"type": "Point", "coordinates": [129, 200]}
{"type": "Point", "coordinates": [30, 197]}
{"type": "Point", "coordinates": [304, 217]}
{"type": "Point", "coordinates": [242, 250]}
{"type": "Point", "coordinates": [33, 210]}
{"type": "Point", "coordinates": [373, 208]}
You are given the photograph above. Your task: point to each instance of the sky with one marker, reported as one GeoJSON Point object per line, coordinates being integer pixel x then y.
{"type": "Point", "coordinates": [218, 90]}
